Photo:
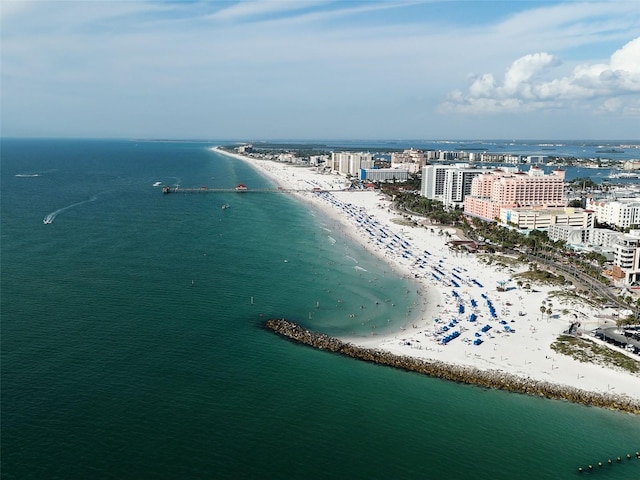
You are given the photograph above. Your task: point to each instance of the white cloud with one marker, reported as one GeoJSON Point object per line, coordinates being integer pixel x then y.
{"type": "Point", "coordinates": [529, 85]}
{"type": "Point", "coordinates": [482, 86]}
{"type": "Point", "coordinates": [522, 70]}
{"type": "Point", "coordinates": [257, 8]}
{"type": "Point", "coordinates": [347, 66]}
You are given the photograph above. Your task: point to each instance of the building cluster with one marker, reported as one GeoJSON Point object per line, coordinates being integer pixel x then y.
{"type": "Point", "coordinates": [533, 200]}
{"type": "Point", "coordinates": [481, 157]}
{"type": "Point", "coordinates": [361, 165]}
{"type": "Point", "coordinates": [246, 148]}
{"type": "Point", "coordinates": [631, 165]}
{"type": "Point", "coordinates": [411, 160]}
{"type": "Point", "coordinates": [500, 194]}
{"type": "Point", "coordinates": [525, 200]}
{"type": "Point", "coordinates": [622, 249]}
{"type": "Point", "coordinates": [283, 157]}
{"type": "Point", "coordinates": [622, 213]}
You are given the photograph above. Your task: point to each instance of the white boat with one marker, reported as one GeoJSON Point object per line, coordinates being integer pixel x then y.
{"type": "Point", "coordinates": [157, 184]}
{"type": "Point", "coordinates": [625, 175]}
{"type": "Point", "coordinates": [47, 221]}
{"type": "Point", "coordinates": [225, 206]}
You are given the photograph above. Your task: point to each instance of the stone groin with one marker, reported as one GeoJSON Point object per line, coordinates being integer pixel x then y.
{"type": "Point", "coordinates": [457, 373]}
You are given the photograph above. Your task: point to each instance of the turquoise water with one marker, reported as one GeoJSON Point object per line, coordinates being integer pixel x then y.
{"type": "Point", "coordinates": [132, 344]}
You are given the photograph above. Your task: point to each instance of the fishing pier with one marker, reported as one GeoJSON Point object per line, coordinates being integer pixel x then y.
{"type": "Point", "coordinates": [239, 188]}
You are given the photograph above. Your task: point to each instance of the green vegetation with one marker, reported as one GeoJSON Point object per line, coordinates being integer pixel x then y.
{"type": "Point", "coordinates": [412, 185]}
{"type": "Point", "coordinates": [582, 182]}
{"type": "Point", "coordinates": [541, 277]}
{"type": "Point", "coordinates": [404, 222]}
{"type": "Point", "coordinates": [589, 352]}
{"type": "Point", "coordinates": [418, 205]}
{"type": "Point", "coordinates": [573, 297]}
{"type": "Point", "coordinates": [499, 260]}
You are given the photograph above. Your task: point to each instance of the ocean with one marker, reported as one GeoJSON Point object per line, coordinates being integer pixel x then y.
{"type": "Point", "coordinates": [133, 347]}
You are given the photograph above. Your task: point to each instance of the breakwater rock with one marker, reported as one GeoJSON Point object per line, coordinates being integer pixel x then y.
{"type": "Point", "coordinates": [457, 373]}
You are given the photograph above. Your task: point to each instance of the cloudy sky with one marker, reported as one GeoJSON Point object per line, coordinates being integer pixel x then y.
{"type": "Point", "coordinates": [319, 69]}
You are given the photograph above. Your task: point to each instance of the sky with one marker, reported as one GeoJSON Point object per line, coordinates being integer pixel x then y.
{"type": "Point", "coordinates": [320, 69]}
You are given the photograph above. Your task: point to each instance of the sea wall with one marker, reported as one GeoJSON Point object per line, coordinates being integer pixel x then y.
{"type": "Point", "coordinates": [456, 373]}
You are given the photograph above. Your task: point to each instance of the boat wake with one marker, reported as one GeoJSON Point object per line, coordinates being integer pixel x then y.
{"type": "Point", "coordinates": [360, 268]}
{"type": "Point", "coordinates": [332, 240]}
{"type": "Point", "coordinates": [49, 218]}
{"type": "Point", "coordinates": [27, 175]}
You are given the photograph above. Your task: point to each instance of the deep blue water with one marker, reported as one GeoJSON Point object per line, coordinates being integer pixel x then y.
{"type": "Point", "coordinates": [132, 344]}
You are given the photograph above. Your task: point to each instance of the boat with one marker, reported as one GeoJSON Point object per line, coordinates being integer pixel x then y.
{"type": "Point", "coordinates": [630, 175]}
{"type": "Point", "coordinates": [47, 220]}
{"type": "Point", "coordinates": [157, 184]}
{"type": "Point", "coordinates": [225, 206]}
{"type": "Point", "coordinates": [241, 188]}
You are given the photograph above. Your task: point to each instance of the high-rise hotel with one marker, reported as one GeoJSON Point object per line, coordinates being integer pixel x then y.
{"type": "Point", "coordinates": [350, 163]}
{"type": "Point", "coordinates": [448, 183]}
{"type": "Point", "coordinates": [499, 189]}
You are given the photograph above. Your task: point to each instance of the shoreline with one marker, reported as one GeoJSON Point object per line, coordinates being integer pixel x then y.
{"type": "Point", "coordinates": [454, 288]}
{"type": "Point", "coordinates": [445, 371]}
{"type": "Point", "coordinates": [284, 175]}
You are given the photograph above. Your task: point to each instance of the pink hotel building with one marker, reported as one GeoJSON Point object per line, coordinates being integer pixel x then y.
{"type": "Point", "coordinates": [499, 189]}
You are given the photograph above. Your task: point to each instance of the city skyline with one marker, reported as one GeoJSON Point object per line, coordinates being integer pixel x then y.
{"type": "Point", "coordinates": [321, 69]}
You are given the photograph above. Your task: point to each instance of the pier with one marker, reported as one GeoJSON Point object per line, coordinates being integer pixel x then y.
{"type": "Point", "coordinates": [167, 189]}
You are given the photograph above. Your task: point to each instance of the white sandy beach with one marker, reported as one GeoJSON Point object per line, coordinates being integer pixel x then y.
{"type": "Point", "coordinates": [518, 341]}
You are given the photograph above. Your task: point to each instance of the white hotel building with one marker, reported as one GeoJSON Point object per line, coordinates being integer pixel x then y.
{"type": "Point", "coordinates": [411, 160]}
{"type": "Point", "coordinates": [624, 248]}
{"type": "Point", "coordinates": [448, 183]}
{"type": "Point", "coordinates": [350, 163]}
{"type": "Point", "coordinates": [622, 213]}
{"type": "Point", "coordinates": [384, 175]}
{"type": "Point", "coordinates": [544, 218]}
{"type": "Point", "coordinates": [626, 259]}
{"type": "Point", "coordinates": [584, 236]}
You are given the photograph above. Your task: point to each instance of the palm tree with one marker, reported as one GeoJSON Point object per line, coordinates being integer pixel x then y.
{"type": "Point", "coordinates": [542, 310]}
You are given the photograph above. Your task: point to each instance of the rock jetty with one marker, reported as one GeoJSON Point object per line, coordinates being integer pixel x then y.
{"type": "Point", "coordinates": [457, 373]}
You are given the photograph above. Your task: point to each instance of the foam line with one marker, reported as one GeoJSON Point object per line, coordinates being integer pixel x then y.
{"type": "Point", "coordinates": [49, 218]}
